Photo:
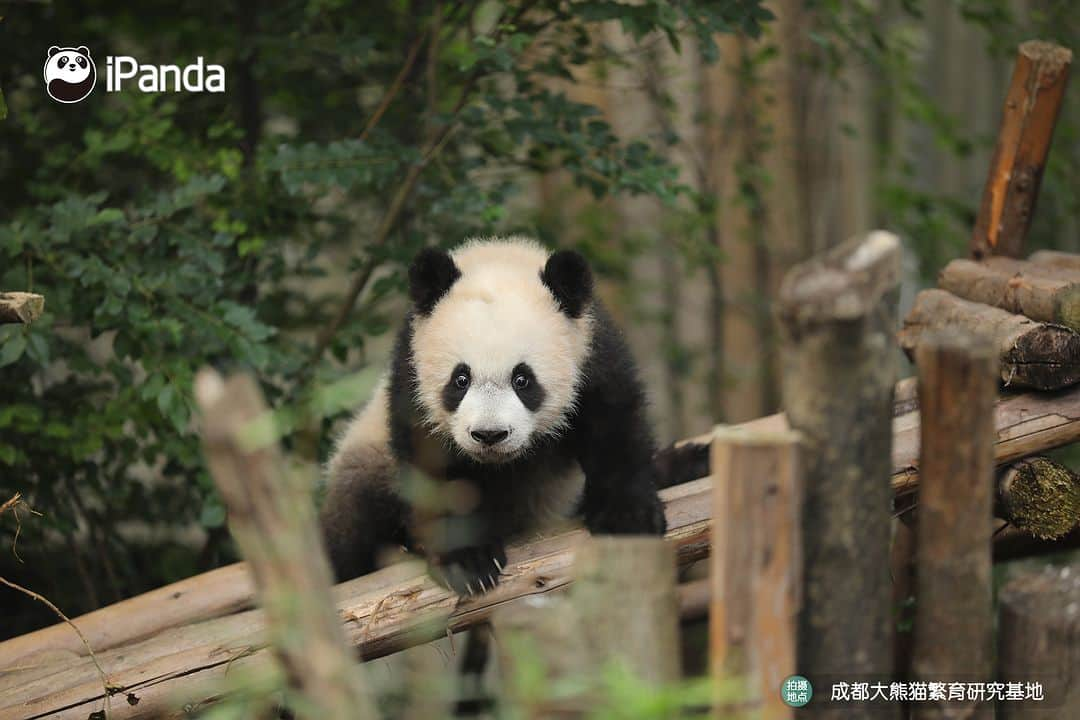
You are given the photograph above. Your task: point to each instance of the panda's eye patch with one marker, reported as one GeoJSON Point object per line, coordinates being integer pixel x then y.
{"type": "Point", "coordinates": [62, 61]}
{"type": "Point", "coordinates": [527, 387]}
{"type": "Point", "coordinates": [81, 61]}
{"type": "Point", "coordinates": [456, 387]}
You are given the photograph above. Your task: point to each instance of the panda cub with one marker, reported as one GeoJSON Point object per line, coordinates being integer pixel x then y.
{"type": "Point", "coordinates": [510, 389]}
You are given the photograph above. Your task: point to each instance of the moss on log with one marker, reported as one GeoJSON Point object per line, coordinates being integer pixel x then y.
{"type": "Point", "coordinates": [1040, 497]}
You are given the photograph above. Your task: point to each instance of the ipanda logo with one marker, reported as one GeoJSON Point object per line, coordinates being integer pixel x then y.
{"type": "Point", "coordinates": [70, 75]}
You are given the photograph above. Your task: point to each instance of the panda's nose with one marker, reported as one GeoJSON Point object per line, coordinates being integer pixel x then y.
{"type": "Point", "coordinates": [71, 66]}
{"type": "Point", "coordinates": [490, 437]}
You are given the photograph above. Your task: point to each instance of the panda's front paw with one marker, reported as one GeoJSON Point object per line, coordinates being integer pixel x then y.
{"type": "Point", "coordinates": [470, 570]}
{"type": "Point", "coordinates": [638, 515]}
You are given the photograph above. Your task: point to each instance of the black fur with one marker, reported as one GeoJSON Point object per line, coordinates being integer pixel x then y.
{"type": "Point", "coordinates": [533, 394]}
{"type": "Point", "coordinates": [431, 276]}
{"type": "Point", "coordinates": [569, 279]}
{"type": "Point", "coordinates": [681, 463]}
{"type": "Point", "coordinates": [452, 394]}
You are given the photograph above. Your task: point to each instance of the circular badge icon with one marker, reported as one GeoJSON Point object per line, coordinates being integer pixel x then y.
{"type": "Point", "coordinates": [796, 691]}
{"type": "Point", "coordinates": [70, 73]}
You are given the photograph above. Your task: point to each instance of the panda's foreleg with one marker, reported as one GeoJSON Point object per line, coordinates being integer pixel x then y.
{"type": "Point", "coordinates": [363, 512]}
{"type": "Point", "coordinates": [621, 480]}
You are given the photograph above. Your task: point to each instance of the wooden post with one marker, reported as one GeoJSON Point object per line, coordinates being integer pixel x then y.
{"type": "Point", "coordinates": [953, 612]}
{"type": "Point", "coordinates": [20, 307]}
{"type": "Point", "coordinates": [624, 593]}
{"type": "Point", "coordinates": [1039, 642]}
{"type": "Point", "coordinates": [540, 631]}
{"type": "Point", "coordinates": [756, 564]}
{"type": "Point", "coordinates": [272, 517]}
{"type": "Point", "coordinates": [838, 316]}
{"type": "Point", "coordinates": [1027, 126]}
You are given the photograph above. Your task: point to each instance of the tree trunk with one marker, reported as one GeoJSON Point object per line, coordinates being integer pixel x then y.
{"type": "Point", "coordinates": [1032, 354]}
{"type": "Point", "coordinates": [839, 315]}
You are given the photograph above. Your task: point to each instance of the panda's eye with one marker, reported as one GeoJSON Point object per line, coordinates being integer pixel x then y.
{"type": "Point", "coordinates": [461, 381]}
{"type": "Point", "coordinates": [520, 381]}
{"type": "Point", "coordinates": [82, 62]}
{"type": "Point", "coordinates": [63, 60]}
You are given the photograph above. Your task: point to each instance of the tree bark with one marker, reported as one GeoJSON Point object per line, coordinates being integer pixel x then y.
{"type": "Point", "coordinates": [1039, 641]}
{"type": "Point", "coordinates": [1027, 127]}
{"type": "Point", "coordinates": [839, 314]}
{"type": "Point", "coordinates": [1032, 354]}
{"type": "Point", "coordinates": [273, 520]}
{"type": "Point", "coordinates": [954, 630]}
{"type": "Point", "coordinates": [756, 564]}
{"type": "Point", "coordinates": [1016, 286]}
{"type": "Point", "coordinates": [20, 307]}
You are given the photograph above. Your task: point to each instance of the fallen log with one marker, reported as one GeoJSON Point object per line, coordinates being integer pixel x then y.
{"type": "Point", "coordinates": [1027, 127]}
{"type": "Point", "coordinates": [381, 613]}
{"type": "Point", "coordinates": [20, 307]}
{"type": "Point", "coordinates": [1032, 354]}
{"type": "Point", "coordinates": [1019, 287]}
{"type": "Point", "coordinates": [1026, 424]}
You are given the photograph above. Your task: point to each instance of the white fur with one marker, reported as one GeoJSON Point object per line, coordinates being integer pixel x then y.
{"type": "Point", "coordinates": [496, 315]}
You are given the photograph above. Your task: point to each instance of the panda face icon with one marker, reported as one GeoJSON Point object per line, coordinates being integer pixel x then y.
{"type": "Point", "coordinates": [70, 73]}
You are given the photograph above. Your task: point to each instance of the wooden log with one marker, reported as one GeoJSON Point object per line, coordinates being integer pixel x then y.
{"type": "Point", "coordinates": [212, 594]}
{"type": "Point", "coordinates": [1032, 354]}
{"type": "Point", "coordinates": [272, 518]}
{"type": "Point", "coordinates": [1017, 287]}
{"type": "Point", "coordinates": [1039, 642]}
{"type": "Point", "coordinates": [954, 630]}
{"type": "Point", "coordinates": [20, 307]}
{"type": "Point", "coordinates": [1027, 127]}
{"type": "Point", "coordinates": [756, 564]}
{"type": "Point", "coordinates": [1040, 497]}
{"type": "Point", "coordinates": [1012, 544]}
{"type": "Point", "coordinates": [641, 629]}
{"type": "Point", "coordinates": [381, 613]}
{"type": "Point", "coordinates": [838, 314]}
{"type": "Point", "coordinates": [1060, 261]}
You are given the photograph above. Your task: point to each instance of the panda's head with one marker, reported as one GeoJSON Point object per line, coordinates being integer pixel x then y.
{"type": "Point", "coordinates": [70, 73]}
{"type": "Point", "coordinates": [500, 333]}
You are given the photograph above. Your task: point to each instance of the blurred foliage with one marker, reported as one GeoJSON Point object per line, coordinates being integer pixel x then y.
{"type": "Point", "coordinates": [171, 231]}
{"type": "Point", "coordinates": [892, 41]}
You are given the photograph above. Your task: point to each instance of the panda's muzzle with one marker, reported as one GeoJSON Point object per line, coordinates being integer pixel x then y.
{"type": "Point", "coordinates": [489, 437]}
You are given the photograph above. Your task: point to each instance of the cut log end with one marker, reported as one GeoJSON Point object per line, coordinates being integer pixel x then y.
{"type": "Point", "coordinates": [1051, 56]}
{"type": "Point", "coordinates": [1040, 497]}
{"type": "Point", "coordinates": [844, 284]}
{"type": "Point", "coordinates": [20, 307]}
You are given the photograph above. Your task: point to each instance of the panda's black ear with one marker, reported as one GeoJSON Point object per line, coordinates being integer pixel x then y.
{"type": "Point", "coordinates": [53, 50]}
{"type": "Point", "coordinates": [84, 50]}
{"type": "Point", "coordinates": [569, 279]}
{"type": "Point", "coordinates": [431, 276]}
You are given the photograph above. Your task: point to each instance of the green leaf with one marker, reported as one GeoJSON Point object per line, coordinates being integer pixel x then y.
{"type": "Point", "coordinates": [12, 348]}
